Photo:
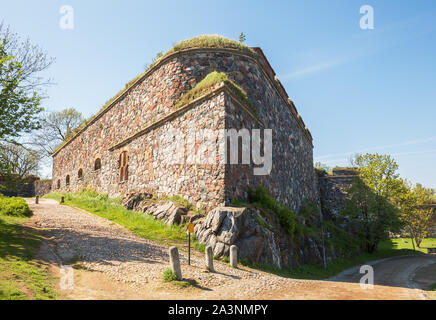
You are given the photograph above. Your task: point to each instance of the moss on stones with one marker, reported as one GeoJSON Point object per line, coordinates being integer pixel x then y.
{"type": "Point", "coordinates": [212, 81]}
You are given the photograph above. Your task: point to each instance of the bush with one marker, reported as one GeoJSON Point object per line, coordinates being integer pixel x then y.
{"type": "Point", "coordinates": [345, 245]}
{"type": "Point", "coordinates": [16, 207]}
{"type": "Point", "coordinates": [169, 275]}
{"type": "Point", "coordinates": [260, 198]}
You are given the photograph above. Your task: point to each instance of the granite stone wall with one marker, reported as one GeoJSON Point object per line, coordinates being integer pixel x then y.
{"type": "Point", "coordinates": [16, 187]}
{"type": "Point", "coordinates": [42, 187]}
{"type": "Point", "coordinates": [134, 123]}
{"type": "Point", "coordinates": [292, 179]}
{"type": "Point", "coordinates": [333, 190]}
{"type": "Point", "coordinates": [154, 165]}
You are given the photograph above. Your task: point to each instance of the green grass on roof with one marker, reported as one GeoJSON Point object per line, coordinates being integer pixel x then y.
{"type": "Point", "coordinates": [203, 41]}
{"type": "Point", "coordinates": [211, 41]}
{"type": "Point", "coordinates": [210, 82]}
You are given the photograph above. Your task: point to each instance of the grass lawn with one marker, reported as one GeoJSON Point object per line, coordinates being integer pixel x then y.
{"type": "Point", "coordinates": [20, 278]}
{"type": "Point", "coordinates": [388, 248]}
{"type": "Point", "coordinates": [141, 224]}
{"type": "Point", "coordinates": [403, 243]}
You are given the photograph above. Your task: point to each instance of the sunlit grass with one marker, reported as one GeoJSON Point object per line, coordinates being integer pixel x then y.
{"type": "Point", "coordinates": [406, 243]}
{"type": "Point", "coordinates": [20, 277]}
{"type": "Point", "coordinates": [110, 208]}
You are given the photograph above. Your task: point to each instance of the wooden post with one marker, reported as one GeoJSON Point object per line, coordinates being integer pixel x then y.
{"type": "Point", "coordinates": [37, 199]}
{"type": "Point", "coordinates": [189, 250]}
{"type": "Point", "coordinates": [190, 230]}
{"type": "Point", "coordinates": [62, 199]}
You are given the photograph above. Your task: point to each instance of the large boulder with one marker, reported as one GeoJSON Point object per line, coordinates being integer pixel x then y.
{"type": "Point", "coordinates": [132, 200]}
{"type": "Point", "coordinates": [258, 236]}
{"type": "Point", "coordinates": [167, 211]}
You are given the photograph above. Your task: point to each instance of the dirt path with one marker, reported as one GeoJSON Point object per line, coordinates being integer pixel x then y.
{"type": "Point", "coordinates": [116, 264]}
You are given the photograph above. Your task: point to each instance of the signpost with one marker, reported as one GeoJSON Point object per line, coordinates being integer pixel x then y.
{"type": "Point", "coordinates": [190, 230]}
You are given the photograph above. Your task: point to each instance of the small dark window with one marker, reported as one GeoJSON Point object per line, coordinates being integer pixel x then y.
{"type": "Point", "coordinates": [97, 164]}
{"type": "Point", "coordinates": [59, 184]}
{"type": "Point", "coordinates": [123, 166]}
{"type": "Point", "coordinates": [80, 174]}
{"type": "Point", "coordinates": [67, 180]}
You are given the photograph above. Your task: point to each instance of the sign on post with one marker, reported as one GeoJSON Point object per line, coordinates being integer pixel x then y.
{"type": "Point", "coordinates": [190, 230]}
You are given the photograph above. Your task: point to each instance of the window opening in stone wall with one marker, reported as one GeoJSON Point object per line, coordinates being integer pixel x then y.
{"type": "Point", "coordinates": [97, 164]}
{"type": "Point", "coordinates": [80, 174]}
{"type": "Point", "coordinates": [123, 166]}
{"type": "Point", "coordinates": [67, 180]}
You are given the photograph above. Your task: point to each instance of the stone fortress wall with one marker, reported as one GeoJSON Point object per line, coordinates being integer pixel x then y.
{"type": "Point", "coordinates": [135, 122]}
{"type": "Point", "coordinates": [333, 189]}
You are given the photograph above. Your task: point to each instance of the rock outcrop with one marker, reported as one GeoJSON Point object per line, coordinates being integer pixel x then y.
{"type": "Point", "coordinates": [257, 234]}
{"type": "Point", "coordinates": [259, 237]}
{"type": "Point", "coordinates": [165, 210]}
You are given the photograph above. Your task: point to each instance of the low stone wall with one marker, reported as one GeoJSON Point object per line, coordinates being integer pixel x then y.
{"type": "Point", "coordinates": [18, 188]}
{"type": "Point", "coordinates": [333, 190]}
{"type": "Point", "coordinates": [42, 187]}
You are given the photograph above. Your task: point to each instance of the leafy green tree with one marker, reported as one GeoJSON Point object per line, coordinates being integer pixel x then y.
{"type": "Point", "coordinates": [379, 173]}
{"type": "Point", "coordinates": [370, 216]}
{"type": "Point", "coordinates": [21, 91]}
{"type": "Point", "coordinates": [18, 107]}
{"type": "Point", "coordinates": [415, 211]}
{"type": "Point", "coordinates": [370, 208]}
{"type": "Point", "coordinates": [21, 86]}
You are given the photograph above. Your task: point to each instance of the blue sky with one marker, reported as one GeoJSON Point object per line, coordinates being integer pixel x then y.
{"type": "Point", "coordinates": [357, 90]}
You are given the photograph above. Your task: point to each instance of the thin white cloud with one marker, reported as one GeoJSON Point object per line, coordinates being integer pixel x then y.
{"type": "Point", "coordinates": [414, 152]}
{"type": "Point", "coordinates": [402, 144]}
{"type": "Point", "coordinates": [345, 161]}
{"type": "Point", "coordinates": [367, 43]}
{"type": "Point", "coordinates": [312, 69]}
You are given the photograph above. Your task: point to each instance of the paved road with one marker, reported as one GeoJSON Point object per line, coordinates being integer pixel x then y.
{"type": "Point", "coordinates": [412, 271]}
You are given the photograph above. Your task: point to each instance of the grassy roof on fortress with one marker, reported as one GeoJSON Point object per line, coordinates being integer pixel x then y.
{"type": "Point", "coordinates": [212, 41]}
{"type": "Point", "coordinates": [202, 41]}
{"type": "Point", "coordinates": [210, 82]}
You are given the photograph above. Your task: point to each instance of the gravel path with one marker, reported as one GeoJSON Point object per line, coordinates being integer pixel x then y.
{"type": "Point", "coordinates": [120, 265]}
